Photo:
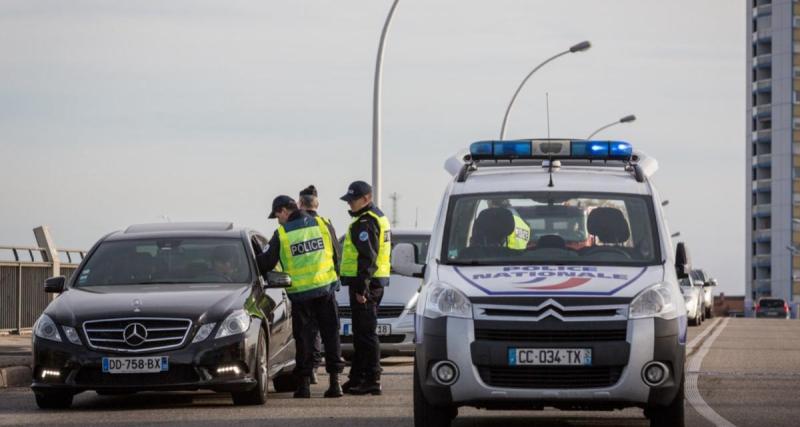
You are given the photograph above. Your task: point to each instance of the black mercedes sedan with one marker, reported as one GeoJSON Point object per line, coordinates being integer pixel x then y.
{"type": "Point", "coordinates": [171, 306]}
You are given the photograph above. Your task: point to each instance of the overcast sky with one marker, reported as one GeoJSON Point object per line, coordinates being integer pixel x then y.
{"type": "Point", "coordinates": [114, 113]}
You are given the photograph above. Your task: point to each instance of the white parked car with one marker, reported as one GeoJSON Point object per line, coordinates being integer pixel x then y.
{"type": "Point", "coordinates": [396, 311]}
{"type": "Point", "coordinates": [693, 297]}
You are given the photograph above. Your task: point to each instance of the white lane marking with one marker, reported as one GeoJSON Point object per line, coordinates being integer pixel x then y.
{"type": "Point", "coordinates": [692, 391]}
{"type": "Point", "coordinates": [693, 343]}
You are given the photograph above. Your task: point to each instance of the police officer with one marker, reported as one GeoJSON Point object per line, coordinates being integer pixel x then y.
{"type": "Point", "coordinates": [304, 247]}
{"type": "Point", "coordinates": [309, 202]}
{"type": "Point", "coordinates": [365, 270]}
{"type": "Point", "coordinates": [519, 238]}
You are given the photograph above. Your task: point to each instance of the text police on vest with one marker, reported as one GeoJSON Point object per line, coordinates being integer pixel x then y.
{"type": "Point", "coordinates": [307, 246]}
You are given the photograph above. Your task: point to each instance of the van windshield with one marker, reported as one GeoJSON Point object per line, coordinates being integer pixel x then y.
{"type": "Point", "coordinates": [166, 261]}
{"type": "Point", "coordinates": [551, 228]}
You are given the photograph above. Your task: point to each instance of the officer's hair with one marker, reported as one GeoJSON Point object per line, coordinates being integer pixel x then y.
{"type": "Point", "coordinates": [309, 201]}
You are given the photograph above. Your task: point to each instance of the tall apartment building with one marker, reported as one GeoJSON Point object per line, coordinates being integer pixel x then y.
{"type": "Point", "coordinates": [773, 150]}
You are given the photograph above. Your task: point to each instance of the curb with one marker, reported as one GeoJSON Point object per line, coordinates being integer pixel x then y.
{"type": "Point", "coordinates": [15, 376]}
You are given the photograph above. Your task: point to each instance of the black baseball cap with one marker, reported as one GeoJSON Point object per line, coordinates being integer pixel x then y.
{"type": "Point", "coordinates": [356, 190]}
{"type": "Point", "coordinates": [309, 191]}
{"type": "Point", "coordinates": [281, 202]}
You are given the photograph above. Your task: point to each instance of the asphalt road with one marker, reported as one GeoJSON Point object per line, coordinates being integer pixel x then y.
{"type": "Point", "coordinates": [749, 376]}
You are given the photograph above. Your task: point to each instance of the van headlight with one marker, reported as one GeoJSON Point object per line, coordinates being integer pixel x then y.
{"type": "Point", "coordinates": [655, 301]}
{"type": "Point", "coordinates": [444, 300]}
{"type": "Point", "coordinates": [236, 323]}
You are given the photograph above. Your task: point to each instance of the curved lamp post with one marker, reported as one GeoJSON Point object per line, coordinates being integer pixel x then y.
{"type": "Point", "coordinates": [580, 47]}
{"type": "Point", "coordinates": [627, 119]}
{"type": "Point", "coordinates": [376, 110]}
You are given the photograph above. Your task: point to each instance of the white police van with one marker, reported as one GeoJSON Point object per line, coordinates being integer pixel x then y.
{"type": "Point", "coordinates": [585, 315]}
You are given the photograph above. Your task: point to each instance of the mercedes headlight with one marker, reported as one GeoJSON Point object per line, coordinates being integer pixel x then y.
{"type": "Point", "coordinates": [203, 332]}
{"type": "Point", "coordinates": [444, 300]}
{"type": "Point", "coordinates": [45, 328]}
{"type": "Point", "coordinates": [236, 323]}
{"type": "Point", "coordinates": [655, 301]}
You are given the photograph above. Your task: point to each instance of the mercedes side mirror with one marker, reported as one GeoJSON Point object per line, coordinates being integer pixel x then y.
{"type": "Point", "coordinates": [277, 279]}
{"type": "Point", "coordinates": [712, 282]}
{"type": "Point", "coordinates": [682, 262]}
{"type": "Point", "coordinates": [55, 285]}
{"type": "Point", "coordinates": [404, 261]}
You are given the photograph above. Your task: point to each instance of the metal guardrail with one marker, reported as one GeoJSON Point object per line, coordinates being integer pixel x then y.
{"type": "Point", "coordinates": [23, 270]}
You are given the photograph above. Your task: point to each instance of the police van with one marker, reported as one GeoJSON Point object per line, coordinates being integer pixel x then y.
{"type": "Point", "coordinates": [550, 281]}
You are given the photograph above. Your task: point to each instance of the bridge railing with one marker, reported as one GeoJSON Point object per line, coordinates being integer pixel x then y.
{"type": "Point", "coordinates": [23, 270]}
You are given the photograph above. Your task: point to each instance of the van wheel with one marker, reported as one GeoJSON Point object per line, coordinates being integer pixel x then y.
{"type": "Point", "coordinates": [53, 399]}
{"type": "Point", "coordinates": [425, 414]}
{"type": "Point", "coordinates": [671, 415]}
{"type": "Point", "coordinates": [709, 313]}
{"type": "Point", "coordinates": [695, 321]}
{"type": "Point", "coordinates": [258, 394]}
{"type": "Point", "coordinates": [285, 383]}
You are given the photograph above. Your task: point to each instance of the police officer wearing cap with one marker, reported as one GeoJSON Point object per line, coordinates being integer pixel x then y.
{"type": "Point", "coordinates": [309, 202]}
{"type": "Point", "coordinates": [365, 270]}
{"type": "Point", "coordinates": [304, 246]}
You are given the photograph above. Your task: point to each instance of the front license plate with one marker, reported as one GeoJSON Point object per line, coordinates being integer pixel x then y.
{"type": "Point", "coordinates": [549, 357]}
{"type": "Point", "coordinates": [380, 330]}
{"type": "Point", "coordinates": [135, 365]}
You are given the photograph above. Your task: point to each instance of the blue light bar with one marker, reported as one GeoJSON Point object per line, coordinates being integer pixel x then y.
{"type": "Point", "coordinates": [551, 149]}
{"type": "Point", "coordinates": [488, 150]}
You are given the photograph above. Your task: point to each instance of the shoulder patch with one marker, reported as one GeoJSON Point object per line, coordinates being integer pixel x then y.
{"type": "Point", "coordinates": [363, 236]}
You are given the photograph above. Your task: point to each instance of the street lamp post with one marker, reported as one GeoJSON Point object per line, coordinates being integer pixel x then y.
{"type": "Point", "coordinates": [627, 119]}
{"type": "Point", "coordinates": [580, 47]}
{"type": "Point", "coordinates": [376, 110]}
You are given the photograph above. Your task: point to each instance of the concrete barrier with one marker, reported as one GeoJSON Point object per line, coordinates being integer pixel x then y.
{"type": "Point", "coordinates": [15, 376]}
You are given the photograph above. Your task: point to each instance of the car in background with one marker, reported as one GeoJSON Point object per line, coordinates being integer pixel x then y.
{"type": "Point", "coordinates": [775, 308]}
{"type": "Point", "coordinates": [708, 284]}
{"type": "Point", "coordinates": [693, 297]}
{"type": "Point", "coordinates": [396, 311]}
{"type": "Point", "coordinates": [157, 307]}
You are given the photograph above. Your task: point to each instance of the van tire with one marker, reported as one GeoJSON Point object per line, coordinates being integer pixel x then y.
{"type": "Point", "coordinates": [672, 415]}
{"type": "Point", "coordinates": [425, 414]}
{"type": "Point", "coordinates": [709, 313]}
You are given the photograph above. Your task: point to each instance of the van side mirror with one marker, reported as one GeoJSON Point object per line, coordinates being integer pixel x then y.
{"type": "Point", "coordinates": [55, 285]}
{"type": "Point", "coordinates": [712, 282]}
{"type": "Point", "coordinates": [277, 279]}
{"type": "Point", "coordinates": [682, 262]}
{"type": "Point", "coordinates": [404, 261]}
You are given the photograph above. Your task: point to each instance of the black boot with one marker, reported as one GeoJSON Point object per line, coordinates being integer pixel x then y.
{"type": "Point", "coordinates": [334, 389]}
{"type": "Point", "coordinates": [303, 389]}
{"type": "Point", "coordinates": [371, 386]}
{"type": "Point", "coordinates": [314, 378]}
{"type": "Point", "coordinates": [350, 384]}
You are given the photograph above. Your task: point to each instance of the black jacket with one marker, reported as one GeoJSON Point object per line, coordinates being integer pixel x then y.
{"type": "Point", "coordinates": [367, 249]}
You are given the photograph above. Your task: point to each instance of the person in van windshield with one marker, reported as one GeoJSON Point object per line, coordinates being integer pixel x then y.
{"type": "Point", "coordinates": [519, 238]}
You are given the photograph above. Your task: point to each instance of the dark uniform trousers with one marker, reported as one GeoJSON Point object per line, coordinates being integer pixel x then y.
{"type": "Point", "coordinates": [366, 364]}
{"type": "Point", "coordinates": [307, 315]}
